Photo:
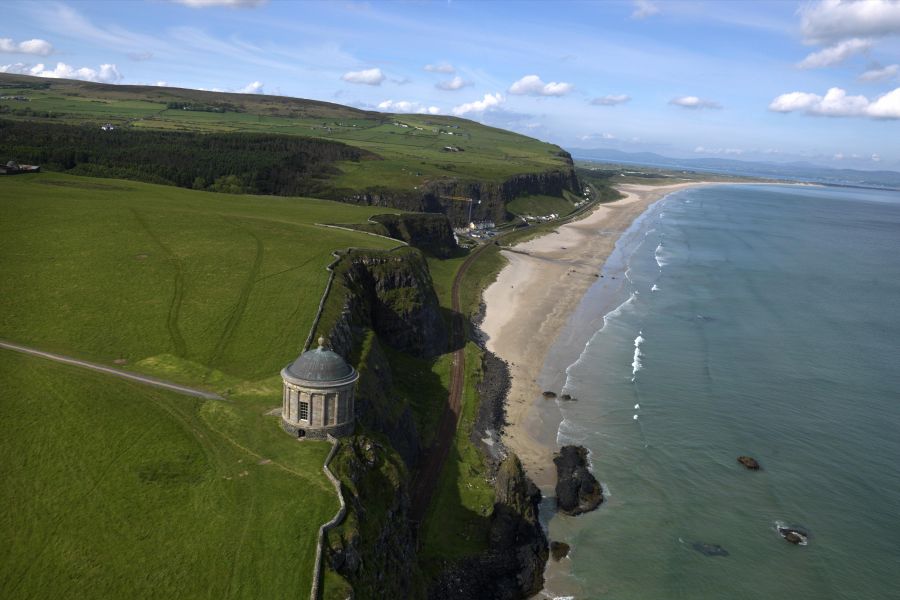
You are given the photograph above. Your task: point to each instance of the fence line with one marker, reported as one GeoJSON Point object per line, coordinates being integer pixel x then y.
{"type": "Point", "coordinates": [335, 520]}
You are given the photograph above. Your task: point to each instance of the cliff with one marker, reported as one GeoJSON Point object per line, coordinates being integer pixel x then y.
{"type": "Point", "coordinates": [513, 566]}
{"type": "Point", "coordinates": [429, 232]}
{"type": "Point", "coordinates": [390, 293]}
{"type": "Point", "coordinates": [374, 549]}
{"type": "Point", "coordinates": [488, 200]}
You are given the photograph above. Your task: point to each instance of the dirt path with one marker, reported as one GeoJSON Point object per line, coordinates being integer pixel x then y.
{"type": "Point", "coordinates": [145, 379]}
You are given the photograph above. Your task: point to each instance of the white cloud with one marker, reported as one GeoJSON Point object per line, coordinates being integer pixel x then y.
{"type": "Point", "coordinates": [228, 3]}
{"type": "Point", "coordinates": [445, 68]}
{"type": "Point", "coordinates": [694, 103]}
{"type": "Point", "coordinates": [597, 136]}
{"type": "Point", "coordinates": [644, 9]}
{"type": "Point", "coordinates": [35, 46]}
{"type": "Point", "coordinates": [107, 73]}
{"type": "Point", "coordinates": [727, 151]}
{"type": "Point", "coordinates": [611, 100]}
{"type": "Point", "coordinates": [876, 158]}
{"type": "Point", "coordinates": [835, 54]}
{"type": "Point", "coordinates": [457, 83]}
{"type": "Point", "coordinates": [531, 85]}
{"type": "Point", "coordinates": [488, 102]}
{"type": "Point", "coordinates": [834, 20]}
{"type": "Point", "coordinates": [366, 76]}
{"type": "Point", "coordinates": [880, 74]}
{"type": "Point", "coordinates": [405, 106]}
{"type": "Point", "coordinates": [255, 87]}
{"type": "Point", "coordinates": [836, 103]}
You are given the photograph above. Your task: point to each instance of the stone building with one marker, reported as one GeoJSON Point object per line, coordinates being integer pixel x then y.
{"type": "Point", "coordinates": [318, 394]}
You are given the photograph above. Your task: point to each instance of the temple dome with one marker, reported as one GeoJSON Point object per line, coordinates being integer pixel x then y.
{"type": "Point", "coordinates": [320, 364]}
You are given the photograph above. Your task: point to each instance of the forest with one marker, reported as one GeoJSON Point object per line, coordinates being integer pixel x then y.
{"type": "Point", "coordinates": [238, 163]}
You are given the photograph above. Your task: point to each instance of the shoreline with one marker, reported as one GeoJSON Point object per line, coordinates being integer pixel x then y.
{"type": "Point", "coordinates": [531, 301]}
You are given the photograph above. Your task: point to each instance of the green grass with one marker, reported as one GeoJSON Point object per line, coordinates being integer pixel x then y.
{"type": "Point", "coordinates": [457, 525]}
{"type": "Point", "coordinates": [112, 489]}
{"type": "Point", "coordinates": [540, 206]}
{"type": "Point", "coordinates": [200, 285]}
{"type": "Point", "coordinates": [412, 155]}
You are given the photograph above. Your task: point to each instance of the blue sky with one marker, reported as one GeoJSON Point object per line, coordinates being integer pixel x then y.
{"type": "Point", "coordinates": [814, 81]}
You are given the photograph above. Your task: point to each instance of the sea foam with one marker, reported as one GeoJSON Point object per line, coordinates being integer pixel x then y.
{"type": "Point", "coordinates": [636, 364]}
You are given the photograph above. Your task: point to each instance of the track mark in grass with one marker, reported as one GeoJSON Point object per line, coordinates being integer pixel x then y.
{"type": "Point", "coordinates": [237, 553]}
{"type": "Point", "coordinates": [177, 295]}
{"type": "Point", "coordinates": [237, 313]}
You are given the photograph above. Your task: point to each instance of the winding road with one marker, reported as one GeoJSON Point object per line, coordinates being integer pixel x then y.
{"type": "Point", "coordinates": [145, 379]}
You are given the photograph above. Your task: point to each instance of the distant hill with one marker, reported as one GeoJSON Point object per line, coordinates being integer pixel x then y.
{"type": "Point", "coordinates": [416, 162]}
{"type": "Point", "coordinates": [794, 171]}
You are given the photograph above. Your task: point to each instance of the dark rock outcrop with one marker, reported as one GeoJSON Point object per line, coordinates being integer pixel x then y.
{"type": "Point", "coordinates": [794, 535]}
{"type": "Point", "coordinates": [513, 567]}
{"type": "Point", "coordinates": [488, 199]}
{"type": "Point", "coordinates": [428, 232]}
{"type": "Point", "coordinates": [749, 462]}
{"type": "Point", "coordinates": [390, 293]}
{"type": "Point", "coordinates": [374, 548]}
{"type": "Point", "coordinates": [577, 490]}
{"type": "Point", "coordinates": [491, 417]}
{"type": "Point", "coordinates": [559, 550]}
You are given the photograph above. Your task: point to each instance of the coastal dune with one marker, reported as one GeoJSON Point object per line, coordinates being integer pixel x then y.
{"type": "Point", "coordinates": [532, 299]}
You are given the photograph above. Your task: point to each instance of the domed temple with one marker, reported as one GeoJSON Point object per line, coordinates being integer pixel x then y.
{"type": "Point", "coordinates": [318, 394]}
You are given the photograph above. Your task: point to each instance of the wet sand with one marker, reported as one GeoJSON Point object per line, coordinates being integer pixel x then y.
{"type": "Point", "coordinates": [532, 299]}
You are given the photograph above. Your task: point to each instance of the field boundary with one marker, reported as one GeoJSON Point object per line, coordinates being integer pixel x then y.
{"type": "Point", "coordinates": [84, 364]}
{"type": "Point", "coordinates": [326, 527]}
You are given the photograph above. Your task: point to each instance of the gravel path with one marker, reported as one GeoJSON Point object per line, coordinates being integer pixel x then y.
{"type": "Point", "coordinates": [112, 371]}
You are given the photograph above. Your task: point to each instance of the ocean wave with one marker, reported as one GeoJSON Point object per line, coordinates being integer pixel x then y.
{"type": "Point", "coordinates": [570, 432]}
{"type": "Point", "coordinates": [654, 288]}
{"type": "Point", "coordinates": [636, 364]}
{"type": "Point", "coordinates": [658, 255]}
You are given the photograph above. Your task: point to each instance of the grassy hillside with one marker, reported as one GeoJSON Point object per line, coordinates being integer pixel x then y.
{"type": "Point", "coordinates": [121, 490]}
{"type": "Point", "coordinates": [116, 490]}
{"type": "Point", "coordinates": [412, 146]}
{"type": "Point", "coordinates": [208, 288]}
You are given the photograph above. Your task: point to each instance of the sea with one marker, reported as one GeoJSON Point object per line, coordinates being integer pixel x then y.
{"type": "Point", "coordinates": [758, 320]}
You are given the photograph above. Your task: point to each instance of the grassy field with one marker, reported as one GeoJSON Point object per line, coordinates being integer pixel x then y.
{"type": "Point", "coordinates": [116, 490]}
{"type": "Point", "coordinates": [113, 489]}
{"type": "Point", "coordinates": [540, 206]}
{"type": "Point", "coordinates": [195, 286]}
{"type": "Point", "coordinates": [412, 146]}
{"type": "Point", "coordinates": [457, 523]}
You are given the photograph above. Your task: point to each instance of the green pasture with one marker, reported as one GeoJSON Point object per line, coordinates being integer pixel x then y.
{"type": "Point", "coordinates": [112, 489]}
{"type": "Point", "coordinates": [208, 288]}
{"type": "Point", "coordinates": [412, 147]}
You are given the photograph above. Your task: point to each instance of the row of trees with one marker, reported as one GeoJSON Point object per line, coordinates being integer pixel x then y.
{"type": "Point", "coordinates": [229, 162]}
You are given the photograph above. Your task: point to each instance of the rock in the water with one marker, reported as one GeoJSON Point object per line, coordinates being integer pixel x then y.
{"type": "Point", "coordinates": [794, 535]}
{"type": "Point", "coordinates": [749, 462]}
{"type": "Point", "coordinates": [577, 490]}
{"type": "Point", "coordinates": [559, 550]}
{"type": "Point", "coordinates": [549, 395]}
{"type": "Point", "coordinates": [566, 397]}
{"type": "Point", "coordinates": [709, 549]}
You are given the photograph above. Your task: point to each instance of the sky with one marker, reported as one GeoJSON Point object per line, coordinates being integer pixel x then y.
{"type": "Point", "coordinates": [776, 81]}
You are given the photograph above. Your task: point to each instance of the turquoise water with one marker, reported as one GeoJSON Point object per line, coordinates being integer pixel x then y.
{"type": "Point", "coordinates": [759, 320]}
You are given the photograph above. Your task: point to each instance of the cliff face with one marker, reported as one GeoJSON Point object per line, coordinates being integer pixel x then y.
{"type": "Point", "coordinates": [392, 294]}
{"type": "Point", "coordinates": [513, 567]}
{"type": "Point", "coordinates": [428, 232]}
{"type": "Point", "coordinates": [488, 199]}
{"type": "Point", "coordinates": [374, 548]}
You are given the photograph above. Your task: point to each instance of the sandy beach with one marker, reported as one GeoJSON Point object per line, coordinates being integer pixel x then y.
{"type": "Point", "coordinates": [532, 299]}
